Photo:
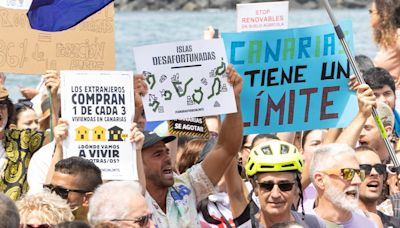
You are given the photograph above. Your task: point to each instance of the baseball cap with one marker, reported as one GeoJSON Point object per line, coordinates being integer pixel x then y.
{"type": "Point", "coordinates": [385, 113]}
{"type": "Point", "coordinates": [151, 138]}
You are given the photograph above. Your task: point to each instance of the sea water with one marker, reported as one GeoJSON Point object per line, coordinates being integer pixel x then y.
{"type": "Point", "coordinates": [140, 28]}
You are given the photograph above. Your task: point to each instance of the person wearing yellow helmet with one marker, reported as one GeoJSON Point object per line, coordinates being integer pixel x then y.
{"type": "Point", "coordinates": [274, 168]}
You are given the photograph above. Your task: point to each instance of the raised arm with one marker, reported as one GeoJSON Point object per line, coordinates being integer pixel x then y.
{"type": "Point", "coordinates": [230, 136]}
{"type": "Point", "coordinates": [60, 134]}
{"type": "Point", "coordinates": [137, 137]}
{"type": "Point", "coordinates": [52, 81]}
{"type": "Point", "coordinates": [237, 191]}
{"type": "Point", "coordinates": [366, 100]}
{"type": "Point", "coordinates": [140, 89]}
{"type": "Point", "coordinates": [332, 135]}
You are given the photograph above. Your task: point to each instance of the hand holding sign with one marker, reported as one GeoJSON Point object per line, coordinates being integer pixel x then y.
{"type": "Point", "coordinates": [52, 81]}
{"type": "Point", "coordinates": [61, 131]}
{"type": "Point", "coordinates": [136, 137]}
{"type": "Point", "coordinates": [366, 100]}
{"type": "Point", "coordinates": [235, 80]}
{"type": "Point", "coordinates": [353, 84]}
{"type": "Point", "coordinates": [140, 88]}
{"type": "Point", "coordinates": [185, 79]}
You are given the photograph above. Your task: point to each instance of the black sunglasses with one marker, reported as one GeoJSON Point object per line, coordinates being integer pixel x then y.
{"type": "Point", "coordinates": [283, 186]}
{"type": "Point", "coordinates": [35, 226]}
{"type": "Point", "coordinates": [141, 221]}
{"type": "Point", "coordinates": [63, 192]}
{"type": "Point", "coordinates": [393, 169]}
{"type": "Point", "coordinates": [380, 168]}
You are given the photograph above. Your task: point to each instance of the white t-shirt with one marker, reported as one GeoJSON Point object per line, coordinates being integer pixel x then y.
{"type": "Point", "coordinates": [39, 167]}
{"type": "Point", "coordinates": [188, 189]}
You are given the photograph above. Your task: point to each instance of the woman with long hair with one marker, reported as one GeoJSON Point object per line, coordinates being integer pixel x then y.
{"type": "Point", "coordinates": [386, 33]}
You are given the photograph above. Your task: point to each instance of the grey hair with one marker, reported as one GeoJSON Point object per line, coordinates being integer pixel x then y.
{"type": "Point", "coordinates": [112, 200]}
{"type": "Point", "coordinates": [328, 156]}
{"type": "Point", "coordinates": [48, 208]}
{"type": "Point", "coordinates": [9, 215]}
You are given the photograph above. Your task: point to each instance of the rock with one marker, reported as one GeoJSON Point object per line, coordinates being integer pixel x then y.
{"type": "Point", "coordinates": [190, 6]}
{"type": "Point", "coordinates": [354, 4]}
{"type": "Point", "coordinates": [176, 4]}
{"type": "Point", "coordinates": [310, 5]}
{"type": "Point", "coordinates": [204, 4]}
{"type": "Point", "coordinates": [134, 5]}
{"type": "Point", "coordinates": [295, 5]}
{"type": "Point", "coordinates": [223, 4]}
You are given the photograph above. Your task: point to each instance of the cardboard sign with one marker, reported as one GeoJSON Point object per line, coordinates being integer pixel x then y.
{"type": "Point", "coordinates": [99, 113]}
{"type": "Point", "coordinates": [191, 126]}
{"type": "Point", "coordinates": [185, 79]}
{"type": "Point", "coordinates": [262, 16]}
{"type": "Point", "coordinates": [87, 46]}
{"type": "Point", "coordinates": [294, 79]}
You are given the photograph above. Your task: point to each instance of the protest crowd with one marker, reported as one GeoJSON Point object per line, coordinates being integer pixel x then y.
{"type": "Point", "coordinates": [319, 177]}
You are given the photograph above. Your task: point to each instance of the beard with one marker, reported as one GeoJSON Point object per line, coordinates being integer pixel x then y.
{"type": "Point", "coordinates": [340, 198]}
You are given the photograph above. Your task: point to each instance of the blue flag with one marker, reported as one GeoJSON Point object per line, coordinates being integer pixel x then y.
{"type": "Point", "coordinates": [59, 15]}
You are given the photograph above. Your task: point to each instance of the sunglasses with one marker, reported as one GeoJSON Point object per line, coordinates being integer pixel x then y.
{"type": "Point", "coordinates": [380, 168]}
{"type": "Point", "coordinates": [283, 186]}
{"type": "Point", "coordinates": [392, 169]}
{"type": "Point", "coordinates": [141, 221]}
{"type": "Point", "coordinates": [35, 226]}
{"type": "Point", "coordinates": [63, 192]}
{"type": "Point", "coordinates": [23, 104]}
{"type": "Point", "coordinates": [347, 173]}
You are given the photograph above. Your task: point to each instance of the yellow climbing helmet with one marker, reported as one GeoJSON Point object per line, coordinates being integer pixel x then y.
{"type": "Point", "coordinates": [274, 156]}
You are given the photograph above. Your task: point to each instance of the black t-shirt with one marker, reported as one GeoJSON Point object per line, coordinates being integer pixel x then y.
{"type": "Point", "coordinates": [389, 221]}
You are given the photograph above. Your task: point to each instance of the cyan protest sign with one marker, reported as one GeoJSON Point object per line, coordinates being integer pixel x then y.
{"type": "Point", "coordinates": [294, 79]}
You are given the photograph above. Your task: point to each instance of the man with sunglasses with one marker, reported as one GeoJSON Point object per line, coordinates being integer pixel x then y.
{"type": "Point", "coordinates": [336, 175]}
{"type": "Point", "coordinates": [274, 168]}
{"type": "Point", "coordinates": [371, 187]}
{"type": "Point", "coordinates": [75, 179]}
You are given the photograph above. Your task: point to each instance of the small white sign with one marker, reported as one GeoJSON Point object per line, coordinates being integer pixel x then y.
{"type": "Point", "coordinates": [262, 16]}
{"type": "Point", "coordinates": [185, 79]}
{"type": "Point", "coordinates": [16, 4]}
{"type": "Point", "coordinates": [99, 108]}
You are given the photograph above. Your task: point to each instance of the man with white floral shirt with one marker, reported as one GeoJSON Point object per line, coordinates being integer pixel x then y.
{"type": "Point", "coordinates": [173, 198]}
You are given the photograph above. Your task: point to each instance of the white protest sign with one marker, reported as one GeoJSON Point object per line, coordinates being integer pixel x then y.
{"type": "Point", "coordinates": [99, 108]}
{"type": "Point", "coordinates": [185, 79]}
{"type": "Point", "coordinates": [262, 16]}
{"type": "Point", "coordinates": [16, 4]}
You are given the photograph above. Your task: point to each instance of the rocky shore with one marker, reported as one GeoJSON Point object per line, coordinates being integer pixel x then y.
{"type": "Point", "coordinates": [194, 5]}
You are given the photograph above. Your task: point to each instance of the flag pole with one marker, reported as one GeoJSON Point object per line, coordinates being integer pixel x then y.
{"type": "Point", "coordinates": [360, 79]}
